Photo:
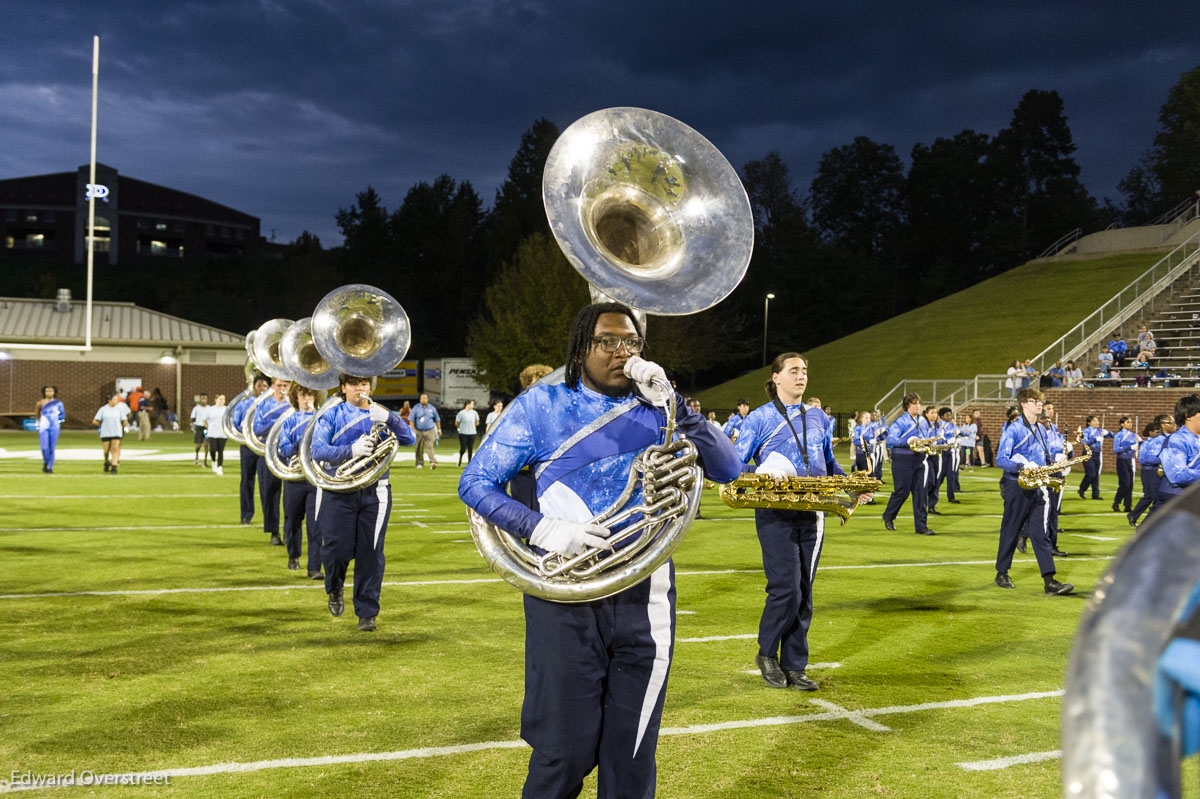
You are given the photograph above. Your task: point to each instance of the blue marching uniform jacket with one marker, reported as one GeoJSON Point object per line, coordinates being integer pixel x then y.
{"type": "Point", "coordinates": [765, 431]}
{"type": "Point", "coordinates": [1149, 452]}
{"type": "Point", "coordinates": [580, 445]}
{"type": "Point", "coordinates": [1180, 461]}
{"type": "Point", "coordinates": [338, 429]}
{"type": "Point", "coordinates": [1022, 446]}
{"type": "Point", "coordinates": [268, 413]}
{"type": "Point", "coordinates": [292, 432]}
{"type": "Point", "coordinates": [1124, 443]}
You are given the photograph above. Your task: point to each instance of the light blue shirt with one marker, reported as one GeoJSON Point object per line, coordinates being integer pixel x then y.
{"type": "Point", "coordinates": [766, 431]}
{"type": "Point", "coordinates": [424, 417]}
{"type": "Point", "coordinates": [466, 422]}
{"type": "Point", "coordinates": [112, 419]}
{"type": "Point", "coordinates": [1180, 461]}
{"type": "Point", "coordinates": [1148, 455]}
{"type": "Point", "coordinates": [1022, 445]}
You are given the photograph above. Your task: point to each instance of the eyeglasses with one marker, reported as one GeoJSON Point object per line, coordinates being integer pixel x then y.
{"type": "Point", "coordinates": [611, 343]}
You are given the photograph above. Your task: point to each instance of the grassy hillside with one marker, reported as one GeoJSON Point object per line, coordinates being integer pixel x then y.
{"type": "Point", "coordinates": [975, 331]}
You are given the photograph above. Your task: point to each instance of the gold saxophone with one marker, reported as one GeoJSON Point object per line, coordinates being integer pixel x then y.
{"type": "Point", "coordinates": [930, 446]}
{"type": "Point", "coordinates": [800, 493]}
{"type": "Point", "coordinates": [1044, 475]}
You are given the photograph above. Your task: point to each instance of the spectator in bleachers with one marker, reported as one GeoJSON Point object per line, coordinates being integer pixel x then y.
{"type": "Point", "coordinates": [1106, 360]}
{"type": "Point", "coordinates": [1143, 336]}
{"type": "Point", "coordinates": [1030, 374]}
{"type": "Point", "coordinates": [1118, 348]}
{"type": "Point", "coordinates": [1015, 374]}
{"type": "Point", "coordinates": [1148, 347]}
{"type": "Point", "coordinates": [1057, 374]}
{"type": "Point", "coordinates": [1142, 361]}
{"type": "Point", "coordinates": [1074, 375]}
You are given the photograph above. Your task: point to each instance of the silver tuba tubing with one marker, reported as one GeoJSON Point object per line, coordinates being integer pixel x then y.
{"type": "Point", "coordinates": [232, 431]}
{"type": "Point", "coordinates": [356, 473]}
{"type": "Point", "coordinates": [288, 471]}
{"type": "Point", "coordinates": [671, 482]}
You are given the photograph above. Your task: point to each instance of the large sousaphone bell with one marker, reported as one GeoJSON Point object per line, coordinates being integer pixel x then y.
{"type": "Point", "coordinates": [653, 216]}
{"type": "Point", "coordinates": [306, 367]}
{"type": "Point", "coordinates": [268, 356]}
{"type": "Point", "coordinates": [363, 331]}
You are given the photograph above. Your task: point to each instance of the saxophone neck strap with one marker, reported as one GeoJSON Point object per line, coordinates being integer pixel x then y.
{"type": "Point", "coordinates": [779, 406]}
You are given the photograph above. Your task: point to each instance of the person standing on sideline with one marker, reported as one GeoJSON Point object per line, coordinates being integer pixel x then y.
{"type": "Point", "coordinates": [969, 439]}
{"type": "Point", "coordinates": [1023, 445]}
{"type": "Point", "coordinates": [143, 416]}
{"type": "Point", "coordinates": [1180, 456]}
{"type": "Point", "coordinates": [1125, 444]}
{"type": "Point", "coordinates": [1093, 436]}
{"type": "Point", "coordinates": [214, 434]}
{"type": "Point", "coordinates": [595, 672]}
{"type": "Point", "coordinates": [786, 438]}
{"type": "Point", "coordinates": [466, 422]}
{"type": "Point", "coordinates": [910, 471]}
{"type": "Point", "coordinates": [1157, 433]}
{"type": "Point", "coordinates": [493, 417]}
{"type": "Point", "coordinates": [199, 414]}
{"type": "Point", "coordinates": [270, 487]}
{"type": "Point", "coordinates": [246, 456]}
{"type": "Point", "coordinates": [428, 426]}
{"type": "Point", "coordinates": [112, 420]}
{"type": "Point", "coordinates": [50, 416]}
{"type": "Point", "coordinates": [354, 524]}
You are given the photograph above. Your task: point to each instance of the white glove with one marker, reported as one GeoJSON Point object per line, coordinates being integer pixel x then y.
{"type": "Point", "coordinates": [567, 537]}
{"type": "Point", "coordinates": [641, 371]}
{"type": "Point", "coordinates": [777, 466]}
{"type": "Point", "coordinates": [363, 446]}
{"type": "Point", "coordinates": [1060, 457]}
{"type": "Point", "coordinates": [378, 413]}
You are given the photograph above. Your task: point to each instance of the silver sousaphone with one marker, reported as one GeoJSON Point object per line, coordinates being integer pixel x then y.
{"type": "Point", "coordinates": [359, 330]}
{"type": "Point", "coordinates": [653, 216]}
{"type": "Point", "coordinates": [233, 432]}
{"type": "Point", "coordinates": [305, 366]}
{"type": "Point", "coordinates": [268, 355]}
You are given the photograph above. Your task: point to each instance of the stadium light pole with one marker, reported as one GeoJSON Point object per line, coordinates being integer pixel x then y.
{"type": "Point", "coordinates": [766, 308]}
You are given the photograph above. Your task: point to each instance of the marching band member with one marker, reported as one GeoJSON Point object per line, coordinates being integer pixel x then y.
{"type": "Point", "coordinates": [935, 475]}
{"type": "Point", "coordinates": [909, 469]}
{"type": "Point", "coordinates": [1125, 444]}
{"type": "Point", "coordinates": [863, 435]}
{"type": "Point", "coordinates": [787, 438]}
{"type": "Point", "coordinates": [1023, 445]}
{"type": "Point", "coordinates": [951, 458]}
{"type": "Point", "coordinates": [1157, 433]}
{"type": "Point", "coordinates": [595, 672]}
{"type": "Point", "coordinates": [50, 416]}
{"type": "Point", "coordinates": [880, 450]}
{"type": "Point", "coordinates": [299, 496]}
{"type": "Point", "coordinates": [1180, 455]}
{"type": "Point", "coordinates": [1093, 436]}
{"type": "Point", "coordinates": [736, 420]}
{"type": "Point", "coordinates": [112, 420]}
{"type": "Point", "coordinates": [246, 456]}
{"type": "Point", "coordinates": [270, 486]}
{"type": "Point", "coordinates": [353, 525]}
{"type": "Point", "coordinates": [1058, 453]}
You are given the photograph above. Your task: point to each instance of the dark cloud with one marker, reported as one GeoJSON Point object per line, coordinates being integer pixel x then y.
{"type": "Point", "coordinates": [286, 109]}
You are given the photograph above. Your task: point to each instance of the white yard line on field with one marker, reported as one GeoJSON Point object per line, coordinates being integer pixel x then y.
{"type": "Point", "coordinates": [153, 591]}
{"type": "Point", "coordinates": [1005, 762]}
{"type": "Point", "coordinates": [851, 716]}
{"type": "Point", "coordinates": [839, 714]}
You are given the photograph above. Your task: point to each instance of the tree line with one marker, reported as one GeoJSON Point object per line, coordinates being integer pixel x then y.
{"type": "Point", "coordinates": [868, 239]}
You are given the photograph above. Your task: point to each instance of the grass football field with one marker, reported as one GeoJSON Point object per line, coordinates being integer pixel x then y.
{"type": "Point", "coordinates": [144, 630]}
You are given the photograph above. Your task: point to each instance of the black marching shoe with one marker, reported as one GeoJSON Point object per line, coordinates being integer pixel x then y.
{"type": "Point", "coordinates": [1055, 588]}
{"type": "Point", "coordinates": [1058, 553]}
{"type": "Point", "coordinates": [1129, 518]}
{"type": "Point", "coordinates": [293, 564]}
{"type": "Point", "coordinates": [315, 575]}
{"type": "Point", "coordinates": [1117, 510]}
{"type": "Point", "coordinates": [925, 531]}
{"type": "Point", "coordinates": [772, 674]}
{"type": "Point", "coordinates": [955, 501]}
{"type": "Point", "coordinates": [887, 525]}
{"type": "Point", "coordinates": [107, 466]}
{"type": "Point", "coordinates": [336, 605]}
{"type": "Point", "coordinates": [113, 469]}
{"type": "Point", "coordinates": [800, 681]}
{"type": "Point", "coordinates": [1081, 494]}
{"type": "Point", "coordinates": [1022, 545]}
{"type": "Point", "coordinates": [1003, 580]}
{"type": "Point", "coordinates": [275, 541]}
{"type": "Point", "coordinates": [934, 512]}
{"type": "Point", "coordinates": [366, 625]}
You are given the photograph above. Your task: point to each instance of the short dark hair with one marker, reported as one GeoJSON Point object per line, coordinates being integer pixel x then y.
{"type": "Point", "coordinates": [1187, 406]}
{"type": "Point", "coordinates": [743, 401]}
{"type": "Point", "coordinates": [942, 411]}
{"type": "Point", "coordinates": [911, 398]}
{"type": "Point", "coordinates": [579, 339]}
{"type": "Point", "coordinates": [46, 387]}
{"type": "Point", "coordinates": [258, 376]}
{"type": "Point", "coordinates": [776, 368]}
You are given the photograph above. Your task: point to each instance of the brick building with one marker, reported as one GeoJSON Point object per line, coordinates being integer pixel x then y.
{"type": "Point", "coordinates": [181, 358]}
{"type": "Point", "coordinates": [135, 220]}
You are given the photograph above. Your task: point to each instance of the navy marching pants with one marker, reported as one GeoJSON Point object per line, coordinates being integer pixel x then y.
{"type": "Point", "coordinates": [299, 510]}
{"type": "Point", "coordinates": [791, 549]}
{"type": "Point", "coordinates": [1150, 481]}
{"type": "Point", "coordinates": [909, 475]}
{"type": "Point", "coordinates": [352, 528]}
{"type": "Point", "coordinates": [877, 454]}
{"type": "Point", "coordinates": [1091, 475]}
{"type": "Point", "coordinates": [860, 461]}
{"type": "Point", "coordinates": [269, 489]}
{"type": "Point", "coordinates": [953, 461]}
{"type": "Point", "coordinates": [1124, 497]}
{"type": "Point", "coordinates": [249, 470]}
{"type": "Point", "coordinates": [1024, 509]}
{"type": "Point", "coordinates": [595, 679]}
{"type": "Point", "coordinates": [937, 476]}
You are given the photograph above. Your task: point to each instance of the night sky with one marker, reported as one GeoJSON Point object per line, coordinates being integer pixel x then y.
{"type": "Point", "coordinates": [286, 109]}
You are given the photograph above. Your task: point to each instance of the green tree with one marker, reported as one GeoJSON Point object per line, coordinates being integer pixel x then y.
{"type": "Point", "coordinates": [365, 226]}
{"type": "Point", "coordinates": [1176, 151]}
{"type": "Point", "coordinates": [518, 212]}
{"type": "Point", "coordinates": [856, 195]}
{"type": "Point", "coordinates": [528, 311]}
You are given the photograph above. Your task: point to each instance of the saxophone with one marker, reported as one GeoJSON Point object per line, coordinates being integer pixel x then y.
{"type": "Point", "coordinates": [929, 446]}
{"type": "Point", "coordinates": [800, 493]}
{"type": "Point", "coordinates": [1044, 475]}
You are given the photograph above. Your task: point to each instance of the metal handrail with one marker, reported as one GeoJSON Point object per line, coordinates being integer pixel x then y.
{"type": "Point", "coordinates": [1062, 242]}
{"type": "Point", "coordinates": [1174, 214]}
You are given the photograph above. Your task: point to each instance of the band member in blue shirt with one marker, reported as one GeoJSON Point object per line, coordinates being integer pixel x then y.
{"type": "Point", "coordinates": [910, 470]}
{"type": "Point", "coordinates": [353, 525]}
{"type": "Point", "coordinates": [1157, 433]}
{"type": "Point", "coordinates": [246, 456]}
{"type": "Point", "coordinates": [50, 416]}
{"type": "Point", "coordinates": [1125, 444]}
{"type": "Point", "coordinates": [787, 438]}
{"type": "Point", "coordinates": [1057, 446]}
{"type": "Point", "coordinates": [1022, 446]}
{"type": "Point", "coordinates": [595, 672]}
{"type": "Point", "coordinates": [1093, 436]}
{"type": "Point", "coordinates": [1180, 456]}
{"type": "Point", "coordinates": [299, 496]}
{"type": "Point", "coordinates": [880, 450]}
{"type": "Point", "coordinates": [864, 435]}
{"type": "Point", "coordinates": [270, 487]}
{"type": "Point", "coordinates": [736, 420]}
{"type": "Point", "coordinates": [951, 458]}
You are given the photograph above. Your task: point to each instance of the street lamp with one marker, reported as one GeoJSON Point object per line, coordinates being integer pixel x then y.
{"type": "Point", "coordinates": [766, 308]}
